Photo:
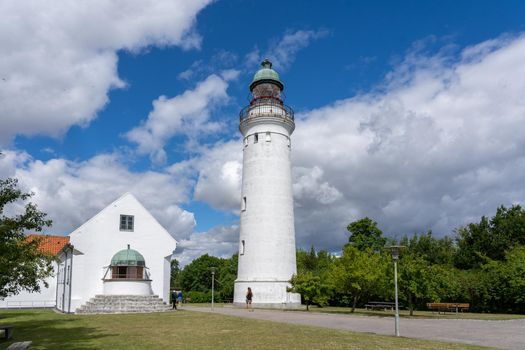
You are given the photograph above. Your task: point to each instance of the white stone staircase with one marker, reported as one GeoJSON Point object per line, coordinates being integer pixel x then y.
{"type": "Point", "coordinates": [112, 304]}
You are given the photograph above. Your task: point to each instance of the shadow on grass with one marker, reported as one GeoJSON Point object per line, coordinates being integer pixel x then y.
{"type": "Point", "coordinates": [54, 333]}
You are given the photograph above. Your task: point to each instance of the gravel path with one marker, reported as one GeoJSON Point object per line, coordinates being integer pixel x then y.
{"type": "Point", "coordinates": [508, 334]}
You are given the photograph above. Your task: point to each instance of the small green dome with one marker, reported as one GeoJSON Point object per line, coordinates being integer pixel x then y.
{"type": "Point", "coordinates": [128, 257]}
{"type": "Point", "coordinates": [266, 74]}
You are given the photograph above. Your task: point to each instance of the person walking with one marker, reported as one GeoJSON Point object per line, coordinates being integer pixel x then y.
{"type": "Point", "coordinates": [249, 297]}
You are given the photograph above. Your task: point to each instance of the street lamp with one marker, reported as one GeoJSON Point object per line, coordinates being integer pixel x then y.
{"type": "Point", "coordinates": [395, 250]}
{"type": "Point", "coordinates": [212, 284]}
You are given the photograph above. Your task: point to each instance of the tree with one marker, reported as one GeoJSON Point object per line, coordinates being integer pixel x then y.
{"type": "Point", "coordinates": [227, 275]}
{"type": "Point", "coordinates": [364, 234]}
{"type": "Point", "coordinates": [488, 240]}
{"type": "Point", "coordinates": [310, 288]}
{"type": "Point", "coordinates": [22, 264]}
{"type": "Point", "coordinates": [505, 281]}
{"type": "Point", "coordinates": [306, 261]}
{"type": "Point", "coordinates": [196, 276]}
{"type": "Point", "coordinates": [433, 250]}
{"type": "Point", "coordinates": [357, 273]}
{"type": "Point", "coordinates": [415, 280]}
{"type": "Point", "coordinates": [317, 263]}
{"type": "Point", "coordinates": [175, 275]}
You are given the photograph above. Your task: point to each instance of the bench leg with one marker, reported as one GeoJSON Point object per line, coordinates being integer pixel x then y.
{"type": "Point", "coordinates": [8, 333]}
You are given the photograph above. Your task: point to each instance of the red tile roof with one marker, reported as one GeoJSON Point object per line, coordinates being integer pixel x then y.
{"type": "Point", "coordinates": [49, 244]}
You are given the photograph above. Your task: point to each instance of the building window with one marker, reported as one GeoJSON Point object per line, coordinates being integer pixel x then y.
{"type": "Point", "coordinates": [242, 247]}
{"type": "Point", "coordinates": [246, 142]}
{"type": "Point", "coordinates": [268, 137]}
{"type": "Point", "coordinates": [255, 138]}
{"type": "Point", "coordinates": [243, 205]}
{"type": "Point", "coordinates": [126, 222]}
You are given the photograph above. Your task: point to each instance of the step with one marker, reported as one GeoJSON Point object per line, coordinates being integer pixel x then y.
{"type": "Point", "coordinates": [123, 304]}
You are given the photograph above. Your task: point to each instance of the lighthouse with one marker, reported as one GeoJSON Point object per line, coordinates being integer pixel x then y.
{"type": "Point", "coordinates": [267, 233]}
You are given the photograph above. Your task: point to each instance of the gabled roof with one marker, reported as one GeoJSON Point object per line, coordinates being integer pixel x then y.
{"type": "Point", "coordinates": [49, 244]}
{"type": "Point", "coordinates": [125, 197]}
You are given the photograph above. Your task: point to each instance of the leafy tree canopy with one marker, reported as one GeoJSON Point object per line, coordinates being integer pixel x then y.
{"type": "Point", "coordinates": [317, 263]}
{"type": "Point", "coordinates": [490, 239]}
{"type": "Point", "coordinates": [175, 275]}
{"type": "Point", "coordinates": [430, 248]}
{"type": "Point", "coordinates": [364, 234]}
{"type": "Point", "coordinates": [312, 290]}
{"type": "Point", "coordinates": [197, 275]}
{"type": "Point", "coordinates": [358, 272]}
{"type": "Point", "coordinates": [22, 264]}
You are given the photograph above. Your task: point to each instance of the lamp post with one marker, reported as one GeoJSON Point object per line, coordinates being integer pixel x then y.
{"type": "Point", "coordinates": [212, 285]}
{"type": "Point", "coordinates": [395, 249]}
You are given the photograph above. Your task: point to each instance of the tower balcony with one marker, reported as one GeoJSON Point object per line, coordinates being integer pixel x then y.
{"type": "Point", "coordinates": [266, 108]}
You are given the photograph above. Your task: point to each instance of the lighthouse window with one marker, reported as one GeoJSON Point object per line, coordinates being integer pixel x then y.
{"type": "Point", "coordinates": [243, 208]}
{"type": "Point", "coordinates": [246, 142]}
{"type": "Point", "coordinates": [126, 222]}
{"type": "Point", "coordinates": [242, 247]}
{"type": "Point", "coordinates": [255, 138]}
{"type": "Point", "coordinates": [268, 137]}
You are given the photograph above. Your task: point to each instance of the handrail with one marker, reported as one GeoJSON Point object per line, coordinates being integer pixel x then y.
{"type": "Point", "coordinates": [29, 304]}
{"type": "Point", "coordinates": [266, 107]}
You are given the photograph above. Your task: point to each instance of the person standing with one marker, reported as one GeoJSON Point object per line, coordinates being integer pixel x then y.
{"type": "Point", "coordinates": [249, 297]}
{"type": "Point", "coordinates": [179, 298]}
{"type": "Point", "coordinates": [174, 299]}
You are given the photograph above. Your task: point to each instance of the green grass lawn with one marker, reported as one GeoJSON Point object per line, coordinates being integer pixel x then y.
{"type": "Point", "coordinates": [189, 330]}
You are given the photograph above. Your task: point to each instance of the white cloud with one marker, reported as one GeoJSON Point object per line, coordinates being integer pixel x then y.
{"type": "Point", "coordinates": [186, 114]}
{"type": "Point", "coordinates": [436, 147]}
{"type": "Point", "coordinates": [219, 176]}
{"type": "Point", "coordinates": [72, 192]}
{"type": "Point", "coordinates": [59, 58]}
{"type": "Point", "coordinates": [220, 241]}
{"type": "Point", "coordinates": [283, 52]}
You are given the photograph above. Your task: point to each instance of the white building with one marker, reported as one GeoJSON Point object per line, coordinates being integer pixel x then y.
{"type": "Point", "coordinates": [122, 250]}
{"type": "Point", "coordinates": [267, 237]}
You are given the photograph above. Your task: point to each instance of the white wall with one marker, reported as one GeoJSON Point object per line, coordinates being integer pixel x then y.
{"type": "Point", "coordinates": [100, 238]}
{"type": "Point", "coordinates": [267, 257]}
{"type": "Point", "coordinates": [95, 243]}
{"type": "Point", "coordinates": [46, 297]}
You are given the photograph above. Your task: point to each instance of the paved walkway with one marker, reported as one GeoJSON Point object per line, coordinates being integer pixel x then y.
{"type": "Point", "coordinates": [509, 334]}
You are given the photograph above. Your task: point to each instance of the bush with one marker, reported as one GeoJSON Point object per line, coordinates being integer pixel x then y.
{"type": "Point", "coordinates": [198, 297]}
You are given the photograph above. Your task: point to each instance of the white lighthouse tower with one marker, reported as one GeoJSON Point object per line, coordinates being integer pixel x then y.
{"type": "Point", "coordinates": [267, 238]}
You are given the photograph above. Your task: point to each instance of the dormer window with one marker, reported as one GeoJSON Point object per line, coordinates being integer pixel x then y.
{"type": "Point", "coordinates": [126, 222]}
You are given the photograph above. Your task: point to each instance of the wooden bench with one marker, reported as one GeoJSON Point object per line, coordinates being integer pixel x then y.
{"type": "Point", "coordinates": [20, 345]}
{"type": "Point", "coordinates": [380, 305]}
{"type": "Point", "coordinates": [444, 307]}
{"type": "Point", "coordinates": [8, 331]}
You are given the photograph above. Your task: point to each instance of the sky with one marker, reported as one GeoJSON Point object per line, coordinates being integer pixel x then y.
{"type": "Point", "coordinates": [408, 112]}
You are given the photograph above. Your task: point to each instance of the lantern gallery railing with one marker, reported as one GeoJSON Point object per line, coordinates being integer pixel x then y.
{"type": "Point", "coordinates": [127, 273]}
{"type": "Point", "coordinates": [267, 107]}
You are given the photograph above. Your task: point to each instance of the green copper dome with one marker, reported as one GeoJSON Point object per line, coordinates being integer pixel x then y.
{"type": "Point", "coordinates": [266, 75]}
{"type": "Point", "coordinates": [128, 257]}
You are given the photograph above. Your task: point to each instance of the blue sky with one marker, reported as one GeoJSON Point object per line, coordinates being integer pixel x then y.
{"type": "Point", "coordinates": [394, 102]}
